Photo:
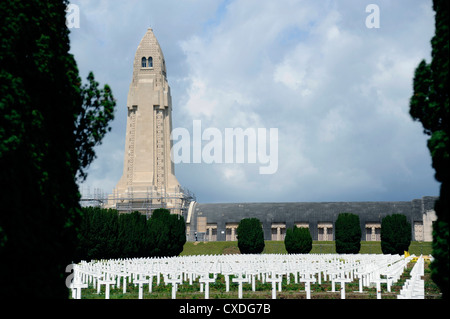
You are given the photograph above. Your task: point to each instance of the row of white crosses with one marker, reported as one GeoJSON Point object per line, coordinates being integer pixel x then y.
{"type": "Point", "coordinates": [390, 268]}
{"type": "Point", "coordinates": [245, 269]}
{"type": "Point", "coordinates": [414, 288]}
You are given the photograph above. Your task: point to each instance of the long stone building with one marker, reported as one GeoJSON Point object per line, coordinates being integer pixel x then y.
{"type": "Point", "coordinates": [218, 222]}
{"type": "Point", "coordinates": [148, 181]}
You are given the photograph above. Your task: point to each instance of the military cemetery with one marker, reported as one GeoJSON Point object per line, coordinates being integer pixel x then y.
{"type": "Point", "coordinates": [322, 216]}
{"type": "Point", "coordinates": [148, 184]}
{"type": "Point", "coordinates": [372, 276]}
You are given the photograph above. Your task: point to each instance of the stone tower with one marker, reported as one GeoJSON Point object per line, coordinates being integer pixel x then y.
{"type": "Point", "coordinates": [148, 178]}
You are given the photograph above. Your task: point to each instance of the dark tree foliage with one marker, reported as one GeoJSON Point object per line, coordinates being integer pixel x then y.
{"type": "Point", "coordinates": [430, 105]}
{"type": "Point", "coordinates": [395, 234]}
{"type": "Point", "coordinates": [92, 122]}
{"type": "Point", "coordinates": [98, 234]}
{"type": "Point", "coordinates": [131, 235]}
{"type": "Point", "coordinates": [348, 234]}
{"type": "Point", "coordinates": [250, 236]}
{"type": "Point", "coordinates": [166, 234]}
{"type": "Point", "coordinates": [44, 118]}
{"type": "Point", "coordinates": [106, 234]}
{"type": "Point", "coordinates": [298, 240]}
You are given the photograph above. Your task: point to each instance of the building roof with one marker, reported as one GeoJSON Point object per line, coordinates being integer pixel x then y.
{"type": "Point", "coordinates": [311, 211]}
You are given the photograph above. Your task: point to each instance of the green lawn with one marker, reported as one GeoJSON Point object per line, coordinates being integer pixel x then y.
{"type": "Point", "coordinates": [277, 247]}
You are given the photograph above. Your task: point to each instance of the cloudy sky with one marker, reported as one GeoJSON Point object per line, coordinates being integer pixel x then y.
{"type": "Point", "coordinates": [337, 91]}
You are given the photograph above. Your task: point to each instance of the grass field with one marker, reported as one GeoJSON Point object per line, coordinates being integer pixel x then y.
{"type": "Point", "coordinates": [277, 247]}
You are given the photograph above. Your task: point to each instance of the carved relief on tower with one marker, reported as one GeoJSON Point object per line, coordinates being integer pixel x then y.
{"type": "Point", "coordinates": [131, 143]}
{"type": "Point", "coordinates": [159, 152]}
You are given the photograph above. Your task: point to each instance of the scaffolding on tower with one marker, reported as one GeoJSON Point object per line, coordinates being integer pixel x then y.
{"type": "Point", "coordinates": [145, 202]}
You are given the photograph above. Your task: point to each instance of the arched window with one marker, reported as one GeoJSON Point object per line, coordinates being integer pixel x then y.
{"type": "Point", "coordinates": [150, 62]}
{"type": "Point", "coordinates": [144, 62]}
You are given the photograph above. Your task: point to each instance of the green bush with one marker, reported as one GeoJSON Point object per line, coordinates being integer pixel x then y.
{"type": "Point", "coordinates": [166, 234]}
{"type": "Point", "coordinates": [97, 236]}
{"type": "Point", "coordinates": [348, 234]}
{"type": "Point", "coordinates": [132, 235]}
{"type": "Point", "coordinates": [106, 234]}
{"type": "Point", "coordinates": [250, 236]}
{"type": "Point", "coordinates": [395, 234]}
{"type": "Point", "coordinates": [440, 253]}
{"type": "Point", "coordinates": [298, 240]}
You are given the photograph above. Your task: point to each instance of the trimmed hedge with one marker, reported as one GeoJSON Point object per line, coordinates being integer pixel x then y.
{"type": "Point", "coordinates": [250, 236]}
{"type": "Point", "coordinates": [106, 234]}
{"type": "Point", "coordinates": [395, 234]}
{"type": "Point", "coordinates": [298, 240]}
{"type": "Point", "coordinates": [348, 234]}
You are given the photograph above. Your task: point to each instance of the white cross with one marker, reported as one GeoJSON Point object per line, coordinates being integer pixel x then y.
{"type": "Point", "coordinates": [205, 279]}
{"type": "Point", "coordinates": [107, 282]}
{"type": "Point", "coordinates": [274, 279]}
{"type": "Point", "coordinates": [342, 281]}
{"type": "Point", "coordinates": [175, 282]}
{"type": "Point", "coordinates": [76, 287]}
{"type": "Point", "coordinates": [141, 281]}
{"type": "Point", "coordinates": [308, 280]}
{"type": "Point", "coordinates": [240, 280]}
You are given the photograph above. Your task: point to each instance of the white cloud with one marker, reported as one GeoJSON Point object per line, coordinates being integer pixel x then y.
{"type": "Point", "coordinates": [331, 126]}
{"type": "Point", "coordinates": [337, 92]}
{"type": "Point", "coordinates": [300, 71]}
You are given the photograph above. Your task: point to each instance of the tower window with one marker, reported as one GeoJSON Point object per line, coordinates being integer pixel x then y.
{"type": "Point", "coordinates": [144, 62]}
{"type": "Point", "coordinates": [150, 62]}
